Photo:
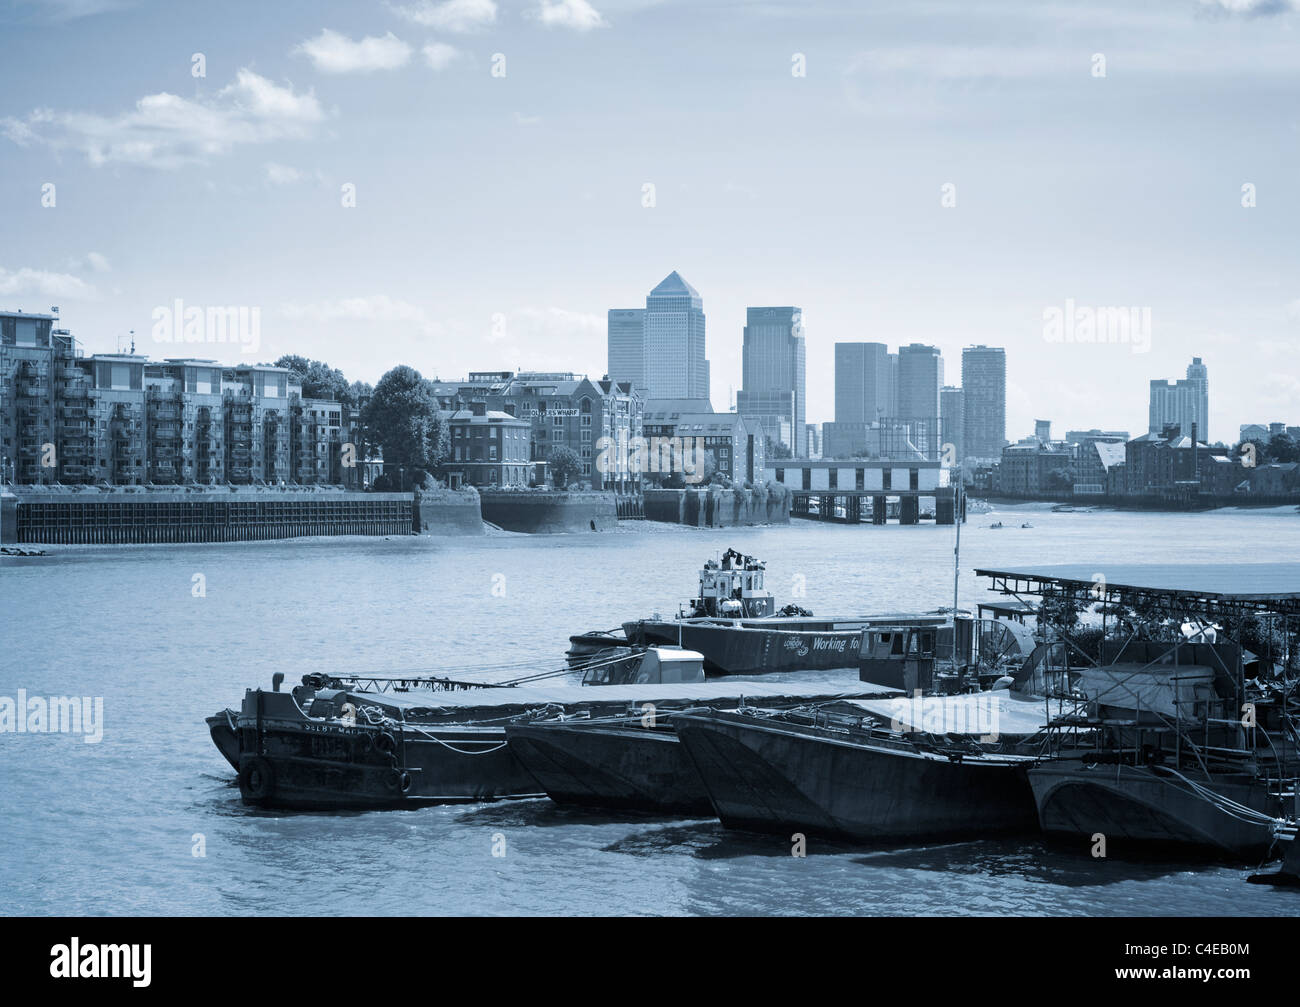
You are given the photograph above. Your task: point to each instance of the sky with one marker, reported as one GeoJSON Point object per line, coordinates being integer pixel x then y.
{"type": "Point", "coordinates": [925, 171]}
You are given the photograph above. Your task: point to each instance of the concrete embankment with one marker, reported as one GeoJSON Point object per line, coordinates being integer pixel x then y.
{"type": "Point", "coordinates": [450, 512]}
{"type": "Point", "coordinates": [540, 511]}
{"type": "Point", "coordinates": [719, 507]}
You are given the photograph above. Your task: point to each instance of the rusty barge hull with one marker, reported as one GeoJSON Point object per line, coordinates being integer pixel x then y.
{"type": "Point", "coordinates": [772, 776]}
{"type": "Point", "coordinates": [611, 766]}
{"type": "Point", "coordinates": [1141, 807]}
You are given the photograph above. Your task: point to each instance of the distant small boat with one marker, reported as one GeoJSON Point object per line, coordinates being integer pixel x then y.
{"type": "Point", "coordinates": [997, 524]}
{"type": "Point", "coordinates": [1026, 525]}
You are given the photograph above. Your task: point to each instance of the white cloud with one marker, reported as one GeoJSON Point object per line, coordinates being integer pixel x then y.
{"type": "Point", "coordinates": [167, 131]}
{"type": "Point", "coordinates": [282, 174]}
{"type": "Point", "coordinates": [98, 262]}
{"type": "Point", "coordinates": [1251, 8]}
{"type": "Point", "coordinates": [331, 52]}
{"type": "Point", "coordinates": [439, 54]}
{"type": "Point", "coordinates": [451, 15]}
{"type": "Point", "coordinates": [39, 281]}
{"type": "Point", "coordinates": [576, 14]}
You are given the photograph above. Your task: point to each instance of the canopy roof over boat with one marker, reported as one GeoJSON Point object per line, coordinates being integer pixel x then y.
{"type": "Point", "coordinates": [975, 713]}
{"type": "Point", "coordinates": [724, 690]}
{"type": "Point", "coordinates": [1207, 587]}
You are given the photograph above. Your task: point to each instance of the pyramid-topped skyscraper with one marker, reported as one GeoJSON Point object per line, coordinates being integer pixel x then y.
{"type": "Point", "coordinates": [660, 348]}
{"type": "Point", "coordinates": [674, 365]}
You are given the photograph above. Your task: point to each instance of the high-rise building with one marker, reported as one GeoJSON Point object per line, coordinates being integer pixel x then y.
{"type": "Point", "coordinates": [863, 382]}
{"type": "Point", "coordinates": [773, 379]}
{"type": "Point", "coordinates": [984, 382]}
{"type": "Point", "coordinates": [920, 376]}
{"type": "Point", "coordinates": [122, 419]}
{"type": "Point", "coordinates": [1185, 403]}
{"type": "Point", "coordinates": [626, 345]}
{"type": "Point", "coordinates": [952, 415]}
{"type": "Point", "coordinates": [674, 366]}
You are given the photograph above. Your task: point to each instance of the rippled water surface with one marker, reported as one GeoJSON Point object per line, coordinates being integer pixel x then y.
{"type": "Point", "coordinates": [110, 828]}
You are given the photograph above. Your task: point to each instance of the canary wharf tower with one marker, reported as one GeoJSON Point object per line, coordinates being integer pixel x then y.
{"type": "Point", "coordinates": [673, 342]}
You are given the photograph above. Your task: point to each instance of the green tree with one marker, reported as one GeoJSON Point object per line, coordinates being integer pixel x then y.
{"type": "Point", "coordinates": [402, 419]}
{"type": "Point", "coordinates": [318, 379]}
{"type": "Point", "coordinates": [1058, 479]}
{"type": "Point", "coordinates": [777, 449]}
{"type": "Point", "coordinates": [1283, 449]}
{"type": "Point", "coordinates": [565, 464]}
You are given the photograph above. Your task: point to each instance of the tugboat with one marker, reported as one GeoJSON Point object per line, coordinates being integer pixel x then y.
{"type": "Point", "coordinates": [733, 622]}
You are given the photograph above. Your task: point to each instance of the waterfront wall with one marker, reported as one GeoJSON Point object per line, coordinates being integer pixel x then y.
{"type": "Point", "coordinates": [548, 512]}
{"type": "Point", "coordinates": [450, 512]}
{"type": "Point", "coordinates": [128, 515]}
{"type": "Point", "coordinates": [719, 507]}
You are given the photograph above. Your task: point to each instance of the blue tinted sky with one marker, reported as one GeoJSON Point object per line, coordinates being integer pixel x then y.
{"type": "Point", "coordinates": [521, 196]}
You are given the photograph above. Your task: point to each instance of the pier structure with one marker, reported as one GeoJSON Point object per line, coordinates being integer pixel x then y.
{"type": "Point", "coordinates": [86, 515]}
{"type": "Point", "coordinates": [867, 491]}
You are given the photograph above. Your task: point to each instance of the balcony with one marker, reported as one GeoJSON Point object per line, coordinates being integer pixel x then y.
{"type": "Point", "coordinates": [75, 392]}
{"type": "Point", "coordinates": [167, 432]}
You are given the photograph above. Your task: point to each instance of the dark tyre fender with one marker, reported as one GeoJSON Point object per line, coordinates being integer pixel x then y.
{"type": "Point", "coordinates": [256, 778]}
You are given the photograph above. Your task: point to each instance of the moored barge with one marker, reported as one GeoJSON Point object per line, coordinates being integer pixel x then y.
{"type": "Point", "coordinates": [326, 744]}
{"type": "Point", "coordinates": [861, 770]}
{"type": "Point", "coordinates": [1186, 752]}
{"type": "Point", "coordinates": [633, 762]}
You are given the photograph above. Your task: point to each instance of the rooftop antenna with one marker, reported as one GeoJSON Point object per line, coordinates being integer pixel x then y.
{"type": "Point", "coordinates": [133, 342]}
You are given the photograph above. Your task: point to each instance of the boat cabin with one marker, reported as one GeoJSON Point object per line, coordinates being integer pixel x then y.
{"type": "Point", "coordinates": [653, 666]}
{"type": "Point", "coordinates": [911, 654]}
{"type": "Point", "coordinates": [732, 587]}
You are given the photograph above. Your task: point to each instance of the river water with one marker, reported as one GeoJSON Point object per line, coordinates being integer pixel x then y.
{"type": "Point", "coordinates": [170, 634]}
